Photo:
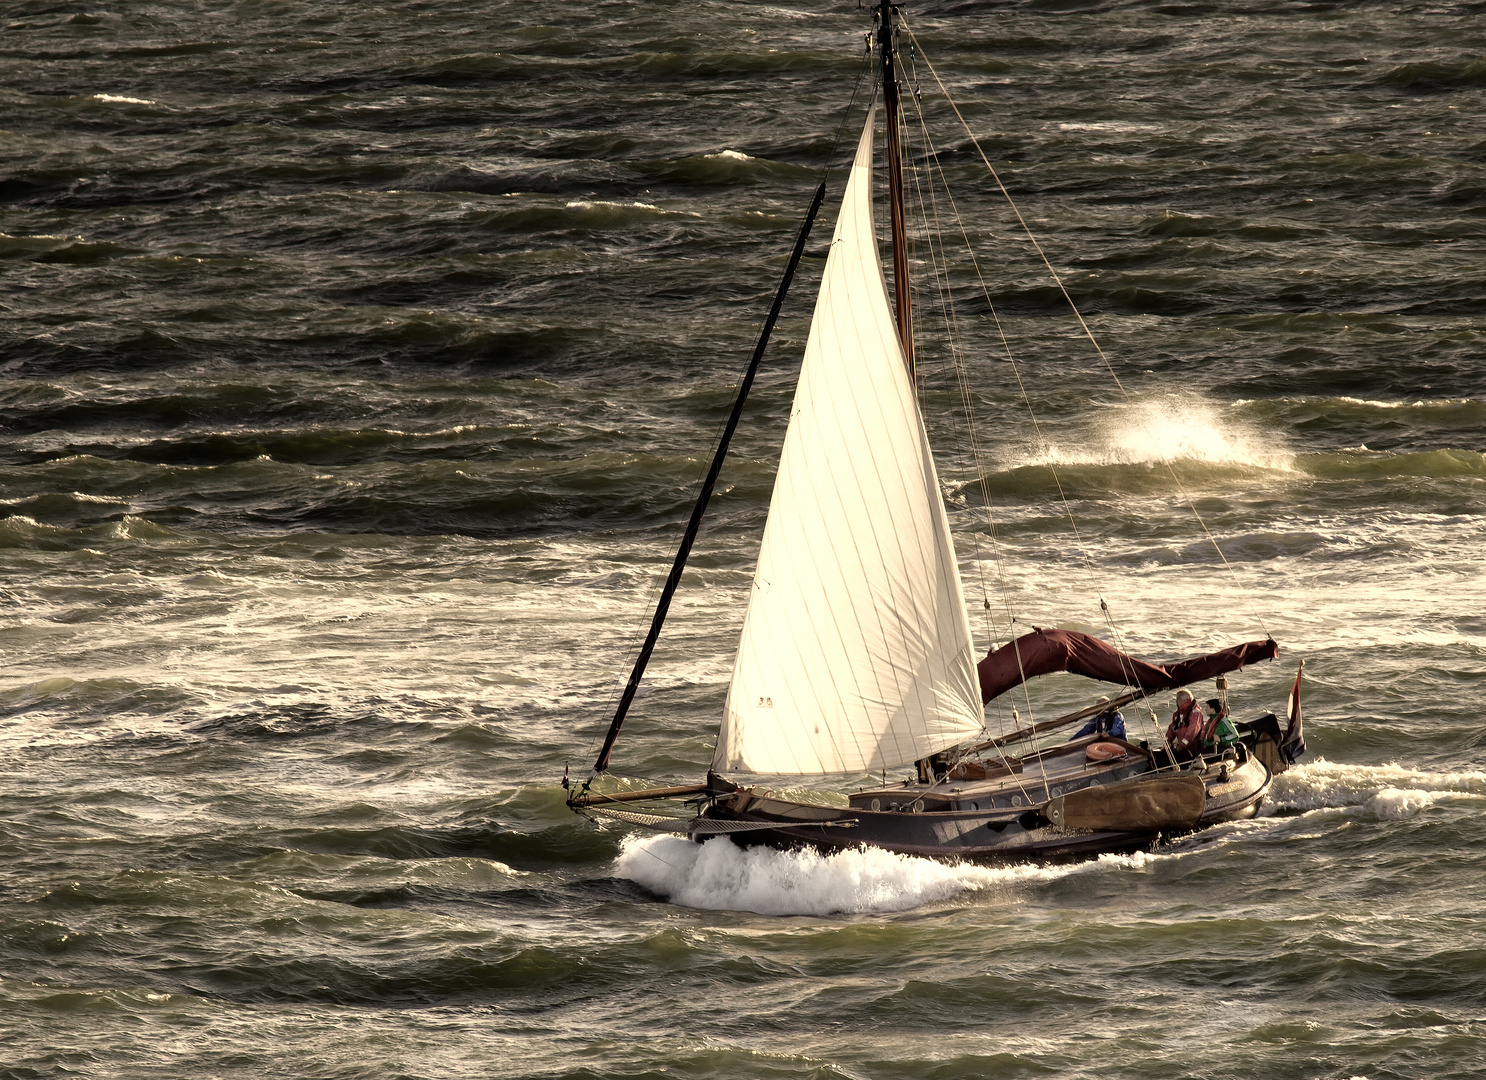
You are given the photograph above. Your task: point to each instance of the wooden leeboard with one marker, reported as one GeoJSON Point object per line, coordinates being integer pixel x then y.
{"type": "Point", "coordinates": [1268, 753]}
{"type": "Point", "coordinates": [1147, 805]}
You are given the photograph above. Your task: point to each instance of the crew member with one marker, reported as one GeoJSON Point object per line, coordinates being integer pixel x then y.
{"type": "Point", "coordinates": [1218, 733]}
{"type": "Point", "coordinates": [1184, 734]}
{"type": "Point", "coordinates": [1107, 722]}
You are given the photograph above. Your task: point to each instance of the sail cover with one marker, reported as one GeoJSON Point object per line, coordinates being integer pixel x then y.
{"type": "Point", "coordinates": [856, 651]}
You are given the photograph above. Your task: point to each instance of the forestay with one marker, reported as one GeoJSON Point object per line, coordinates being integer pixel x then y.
{"type": "Point", "coordinates": [856, 651]}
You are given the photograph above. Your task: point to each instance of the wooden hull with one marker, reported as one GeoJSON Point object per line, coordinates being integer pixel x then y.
{"type": "Point", "coordinates": [990, 832]}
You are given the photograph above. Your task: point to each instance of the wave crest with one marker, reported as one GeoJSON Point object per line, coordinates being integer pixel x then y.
{"type": "Point", "coordinates": [719, 875]}
{"type": "Point", "coordinates": [1384, 791]}
{"type": "Point", "coordinates": [1174, 428]}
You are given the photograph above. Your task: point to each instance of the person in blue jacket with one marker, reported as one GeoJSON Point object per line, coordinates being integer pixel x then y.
{"type": "Point", "coordinates": [1108, 722]}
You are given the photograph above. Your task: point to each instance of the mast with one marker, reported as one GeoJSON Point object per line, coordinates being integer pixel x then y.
{"type": "Point", "coordinates": [903, 302]}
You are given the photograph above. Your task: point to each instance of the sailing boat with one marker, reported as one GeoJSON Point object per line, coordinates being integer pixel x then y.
{"type": "Point", "coordinates": [856, 655]}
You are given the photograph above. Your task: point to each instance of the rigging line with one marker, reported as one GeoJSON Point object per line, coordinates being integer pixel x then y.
{"type": "Point", "coordinates": [1016, 646]}
{"type": "Point", "coordinates": [965, 394]}
{"type": "Point", "coordinates": [1016, 370]}
{"type": "Point", "coordinates": [1126, 663]}
{"type": "Point", "coordinates": [941, 277]}
{"type": "Point", "coordinates": [939, 261]}
{"type": "Point", "coordinates": [900, 153]}
{"type": "Point", "coordinates": [933, 256]}
{"type": "Point", "coordinates": [1109, 619]}
{"type": "Point", "coordinates": [952, 322]}
{"type": "Point", "coordinates": [929, 214]}
{"type": "Point", "coordinates": [1005, 591]}
{"type": "Point", "coordinates": [1057, 279]}
{"type": "Point", "coordinates": [963, 374]}
{"type": "Point", "coordinates": [1006, 345]}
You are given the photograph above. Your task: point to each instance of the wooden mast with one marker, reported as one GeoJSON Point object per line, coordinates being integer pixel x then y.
{"type": "Point", "coordinates": [901, 294]}
{"type": "Point", "coordinates": [903, 298]}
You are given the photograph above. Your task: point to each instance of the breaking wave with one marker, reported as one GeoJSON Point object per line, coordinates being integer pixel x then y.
{"type": "Point", "coordinates": [720, 875]}
{"type": "Point", "coordinates": [1383, 791]}
{"type": "Point", "coordinates": [1171, 428]}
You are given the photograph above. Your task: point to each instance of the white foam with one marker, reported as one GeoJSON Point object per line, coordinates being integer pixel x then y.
{"type": "Point", "coordinates": [1422, 403]}
{"type": "Point", "coordinates": [124, 100]}
{"type": "Point", "coordinates": [1384, 791]}
{"type": "Point", "coordinates": [1109, 125]}
{"type": "Point", "coordinates": [1399, 803]}
{"type": "Point", "coordinates": [720, 875]}
{"type": "Point", "coordinates": [1169, 428]}
{"type": "Point", "coordinates": [732, 155]}
{"type": "Point", "coordinates": [589, 204]}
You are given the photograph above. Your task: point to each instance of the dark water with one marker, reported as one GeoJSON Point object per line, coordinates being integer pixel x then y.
{"type": "Point", "coordinates": [360, 362]}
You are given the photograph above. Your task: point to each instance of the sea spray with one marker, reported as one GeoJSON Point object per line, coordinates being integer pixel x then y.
{"type": "Point", "coordinates": [719, 874]}
{"type": "Point", "coordinates": [1170, 427]}
{"type": "Point", "coordinates": [1383, 790]}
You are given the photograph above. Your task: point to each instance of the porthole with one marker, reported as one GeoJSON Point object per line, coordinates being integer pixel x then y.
{"type": "Point", "coordinates": [1016, 800]}
{"type": "Point", "coordinates": [918, 806]}
{"type": "Point", "coordinates": [876, 804]}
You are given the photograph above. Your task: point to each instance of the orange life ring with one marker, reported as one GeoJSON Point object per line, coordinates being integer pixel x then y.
{"type": "Point", "coordinates": [1104, 751]}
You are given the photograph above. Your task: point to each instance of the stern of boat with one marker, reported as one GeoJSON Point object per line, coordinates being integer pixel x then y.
{"type": "Point", "coordinates": [1237, 785]}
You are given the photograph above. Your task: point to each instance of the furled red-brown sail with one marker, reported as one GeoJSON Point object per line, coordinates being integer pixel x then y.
{"type": "Point", "coordinates": [1045, 651]}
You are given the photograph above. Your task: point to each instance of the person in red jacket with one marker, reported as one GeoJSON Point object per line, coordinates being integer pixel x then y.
{"type": "Point", "coordinates": [1185, 731]}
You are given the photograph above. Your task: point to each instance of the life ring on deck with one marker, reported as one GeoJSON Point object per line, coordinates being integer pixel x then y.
{"type": "Point", "coordinates": [1104, 751]}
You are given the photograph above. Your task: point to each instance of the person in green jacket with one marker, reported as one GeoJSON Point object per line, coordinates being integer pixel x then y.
{"type": "Point", "coordinates": [1218, 733]}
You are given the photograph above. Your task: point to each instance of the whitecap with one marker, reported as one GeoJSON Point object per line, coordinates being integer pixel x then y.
{"type": "Point", "coordinates": [589, 204]}
{"type": "Point", "coordinates": [1385, 791]}
{"type": "Point", "coordinates": [120, 99]}
{"type": "Point", "coordinates": [720, 875]}
{"type": "Point", "coordinates": [1400, 802]}
{"type": "Point", "coordinates": [1109, 125]}
{"type": "Point", "coordinates": [1171, 428]}
{"type": "Point", "coordinates": [1421, 403]}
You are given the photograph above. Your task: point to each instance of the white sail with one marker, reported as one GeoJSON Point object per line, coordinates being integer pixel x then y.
{"type": "Point", "coordinates": [856, 651]}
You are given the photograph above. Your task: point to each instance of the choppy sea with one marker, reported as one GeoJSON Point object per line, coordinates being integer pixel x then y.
{"type": "Point", "coordinates": [359, 362]}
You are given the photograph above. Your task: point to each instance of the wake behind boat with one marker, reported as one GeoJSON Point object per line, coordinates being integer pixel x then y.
{"type": "Point", "coordinates": [856, 655]}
